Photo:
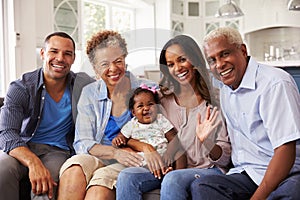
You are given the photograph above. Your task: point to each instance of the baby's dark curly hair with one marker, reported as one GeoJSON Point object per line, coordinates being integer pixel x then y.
{"type": "Point", "coordinates": [103, 39]}
{"type": "Point", "coordinates": [138, 91]}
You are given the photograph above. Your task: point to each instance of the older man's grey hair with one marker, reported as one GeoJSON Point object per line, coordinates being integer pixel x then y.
{"type": "Point", "coordinates": [230, 34]}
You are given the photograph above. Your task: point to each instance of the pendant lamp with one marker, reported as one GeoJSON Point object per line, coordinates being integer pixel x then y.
{"type": "Point", "coordinates": [294, 5]}
{"type": "Point", "coordinates": [229, 10]}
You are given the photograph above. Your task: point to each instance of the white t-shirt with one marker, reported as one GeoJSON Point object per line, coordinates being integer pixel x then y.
{"type": "Point", "coordinates": [153, 133]}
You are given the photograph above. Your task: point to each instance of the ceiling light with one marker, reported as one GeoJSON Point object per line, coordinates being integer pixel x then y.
{"type": "Point", "coordinates": [294, 5]}
{"type": "Point", "coordinates": [229, 10]}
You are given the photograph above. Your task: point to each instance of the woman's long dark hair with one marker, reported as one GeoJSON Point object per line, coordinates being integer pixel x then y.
{"type": "Point", "coordinates": [191, 49]}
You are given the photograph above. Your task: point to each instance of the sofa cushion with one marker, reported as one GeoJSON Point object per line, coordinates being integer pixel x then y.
{"type": "Point", "coordinates": [153, 195]}
{"type": "Point", "coordinates": [1, 101]}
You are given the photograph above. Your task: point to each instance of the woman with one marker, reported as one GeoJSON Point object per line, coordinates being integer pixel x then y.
{"type": "Point", "coordinates": [102, 111]}
{"type": "Point", "coordinates": [186, 93]}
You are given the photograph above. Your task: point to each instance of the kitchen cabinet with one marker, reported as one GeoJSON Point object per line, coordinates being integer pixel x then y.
{"type": "Point", "coordinates": [261, 14]}
{"type": "Point", "coordinates": [197, 18]}
{"type": "Point", "coordinates": [272, 32]}
{"type": "Point", "coordinates": [278, 46]}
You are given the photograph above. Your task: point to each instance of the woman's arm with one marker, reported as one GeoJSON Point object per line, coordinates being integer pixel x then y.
{"type": "Point", "coordinates": [173, 142]}
{"type": "Point", "coordinates": [174, 151]}
{"type": "Point", "coordinates": [122, 156]}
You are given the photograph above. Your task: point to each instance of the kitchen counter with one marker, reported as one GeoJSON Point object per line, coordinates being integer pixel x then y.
{"type": "Point", "coordinates": [286, 63]}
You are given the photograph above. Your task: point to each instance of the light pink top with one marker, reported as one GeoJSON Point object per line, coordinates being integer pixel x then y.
{"type": "Point", "coordinates": [197, 152]}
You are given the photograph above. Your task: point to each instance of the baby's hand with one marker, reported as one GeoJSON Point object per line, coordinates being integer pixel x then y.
{"type": "Point", "coordinates": [119, 140]}
{"type": "Point", "coordinates": [114, 142]}
{"type": "Point", "coordinates": [167, 169]}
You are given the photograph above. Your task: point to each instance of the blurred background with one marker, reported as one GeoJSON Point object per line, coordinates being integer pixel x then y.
{"type": "Point", "coordinates": [271, 29]}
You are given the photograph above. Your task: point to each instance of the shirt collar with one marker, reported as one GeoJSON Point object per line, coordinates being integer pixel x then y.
{"type": "Point", "coordinates": [103, 94]}
{"type": "Point", "coordinates": [249, 77]}
{"type": "Point", "coordinates": [41, 78]}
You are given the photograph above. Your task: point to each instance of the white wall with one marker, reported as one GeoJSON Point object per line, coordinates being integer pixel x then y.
{"type": "Point", "coordinates": [25, 27]}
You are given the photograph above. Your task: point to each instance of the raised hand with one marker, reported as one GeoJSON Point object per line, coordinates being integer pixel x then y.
{"type": "Point", "coordinates": [207, 127]}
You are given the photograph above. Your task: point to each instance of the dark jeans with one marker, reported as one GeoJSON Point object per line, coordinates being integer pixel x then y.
{"type": "Point", "coordinates": [12, 172]}
{"type": "Point", "coordinates": [239, 187]}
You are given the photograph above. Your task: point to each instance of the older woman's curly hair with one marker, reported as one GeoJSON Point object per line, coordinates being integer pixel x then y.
{"type": "Point", "coordinates": [104, 39]}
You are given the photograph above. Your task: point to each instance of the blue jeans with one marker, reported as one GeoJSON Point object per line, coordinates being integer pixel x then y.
{"type": "Point", "coordinates": [176, 184]}
{"type": "Point", "coordinates": [134, 181]}
{"type": "Point", "coordinates": [241, 187]}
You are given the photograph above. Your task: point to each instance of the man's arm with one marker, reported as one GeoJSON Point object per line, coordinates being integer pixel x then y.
{"type": "Point", "coordinates": [12, 116]}
{"type": "Point", "coordinates": [278, 169]}
{"type": "Point", "coordinates": [39, 175]}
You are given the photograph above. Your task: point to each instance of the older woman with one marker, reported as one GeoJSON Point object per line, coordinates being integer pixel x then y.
{"type": "Point", "coordinates": [102, 111]}
{"type": "Point", "coordinates": [186, 97]}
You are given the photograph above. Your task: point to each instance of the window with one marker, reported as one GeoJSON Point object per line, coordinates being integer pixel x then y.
{"type": "Point", "coordinates": [193, 9]}
{"type": "Point", "coordinates": [212, 23]}
{"type": "Point", "coordinates": [122, 19]}
{"type": "Point", "coordinates": [83, 18]}
{"type": "Point", "coordinates": [8, 39]}
{"type": "Point", "coordinates": [104, 14]}
{"type": "Point", "coordinates": [177, 27]}
{"type": "Point", "coordinates": [66, 17]}
{"type": "Point", "coordinates": [96, 16]}
{"type": "Point", "coordinates": [177, 7]}
{"type": "Point", "coordinates": [1, 51]}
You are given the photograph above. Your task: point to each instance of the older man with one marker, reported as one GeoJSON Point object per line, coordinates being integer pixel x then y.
{"type": "Point", "coordinates": [262, 111]}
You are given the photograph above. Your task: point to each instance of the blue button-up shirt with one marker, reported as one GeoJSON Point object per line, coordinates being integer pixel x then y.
{"type": "Point", "coordinates": [261, 114]}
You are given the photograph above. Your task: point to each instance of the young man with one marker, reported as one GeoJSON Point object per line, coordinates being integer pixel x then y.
{"type": "Point", "coordinates": [261, 107]}
{"type": "Point", "coordinates": [37, 121]}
